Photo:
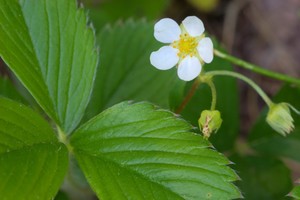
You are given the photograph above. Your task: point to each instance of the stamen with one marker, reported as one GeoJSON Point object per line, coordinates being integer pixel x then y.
{"type": "Point", "coordinates": [187, 45]}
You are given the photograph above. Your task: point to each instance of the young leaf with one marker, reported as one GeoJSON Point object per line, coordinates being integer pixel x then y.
{"type": "Point", "coordinates": [48, 46]}
{"type": "Point", "coordinates": [32, 162]}
{"type": "Point", "coordinates": [126, 72]}
{"type": "Point", "coordinates": [265, 140]}
{"type": "Point", "coordinates": [137, 151]}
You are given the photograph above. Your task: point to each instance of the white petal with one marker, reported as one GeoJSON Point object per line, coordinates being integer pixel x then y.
{"type": "Point", "coordinates": [193, 25]}
{"type": "Point", "coordinates": [167, 30]}
{"type": "Point", "coordinates": [189, 68]}
{"type": "Point", "coordinates": [165, 58]}
{"type": "Point", "coordinates": [206, 50]}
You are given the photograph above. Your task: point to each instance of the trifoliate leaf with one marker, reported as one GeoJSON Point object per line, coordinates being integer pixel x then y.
{"type": "Point", "coordinates": [137, 151]}
{"type": "Point", "coordinates": [32, 162]}
{"type": "Point", "coordinates": [49, 47]}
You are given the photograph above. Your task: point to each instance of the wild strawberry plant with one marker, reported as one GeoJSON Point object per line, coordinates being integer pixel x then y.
{"type": "Point", "coordinates": [100, 120]}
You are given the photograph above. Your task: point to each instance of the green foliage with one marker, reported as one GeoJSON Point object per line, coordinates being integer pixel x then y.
{"type": "Point", "coordinates": [265, 140]}
{"type": "Point", "coordinates": [262, 177]}
{"type": "Point", "coordinates": [126, 72]}
{"type": "Point", "coordinates": [295, 193]}
{"type": "Point", "coordinates": [137, 151]}
{"type": "Point", "coordinates": [50, 53]}
{"type": "Point", "coordinates": [111, 11]}
{"type": "Point", "coordinates": [8, 90]}
{"type": "Point", "coordinates": [32, 161]}
{"type": "Point", "coordinates": [17, 50]}
{"type": "Point", "coordinates": [130, 150]}
{"type": "Point", "coordinates": [61, 196]}
{"type": "Point", "coordinates": [129, 144]}
{"type": "Point", "coordinates": [204, 5]}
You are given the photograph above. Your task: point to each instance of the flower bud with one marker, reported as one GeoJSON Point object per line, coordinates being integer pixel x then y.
{"type": "Point", "coordinates": [280, 119]}
{"type": "Point", "coordinates": [209, 122]}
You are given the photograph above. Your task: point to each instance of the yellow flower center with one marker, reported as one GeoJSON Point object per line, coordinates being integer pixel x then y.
{"type": "Point", "coordinates": [187, 45]}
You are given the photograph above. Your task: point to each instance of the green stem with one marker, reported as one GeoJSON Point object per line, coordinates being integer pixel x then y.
{"type": "Point", "coordinates": [211, 84]}
{"type": "Point", "coordinates": [256, 68]}
{"type": "Point", "coordinates": [244, 78]}
{"type": "Point", "coordinates": [62, 137]}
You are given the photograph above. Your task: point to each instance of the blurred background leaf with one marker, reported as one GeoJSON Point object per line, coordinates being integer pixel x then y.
{"type": "Point", "coordinates": [8, 90]}
{"type": "Point", "coordinates": [61, 196]}
{"type": "Point", "coordinates": [125, 72]}
{"type": "Point", "coordinates": [263, 177]}
{"type": "Point", "coordinates": [204, 5]}
{"type": "Point", "coordinates": [109, 11]}
{"type": "Point", "coordinates": [265, 140]}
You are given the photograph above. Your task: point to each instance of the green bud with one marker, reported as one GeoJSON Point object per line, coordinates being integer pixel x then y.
{"type": "Point", "coordinates": [209, 122]}
{"type": "Point", "coordinates": [280, 119]}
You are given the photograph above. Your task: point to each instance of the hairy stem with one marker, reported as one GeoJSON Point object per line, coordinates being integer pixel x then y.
{"type": "Point", "coordinates": [256, 68]}
{"type": "Point", "coordinates": [212, 86]}
{"type": "Point", "coordinates": [244, 78]}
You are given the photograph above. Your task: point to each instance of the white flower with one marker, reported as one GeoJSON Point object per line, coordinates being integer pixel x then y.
{"type": "Point", "coordinates": [188, 48]}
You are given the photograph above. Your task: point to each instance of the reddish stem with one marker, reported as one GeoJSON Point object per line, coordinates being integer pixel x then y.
{"type": "Point", "coordinates": [188, 97]}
